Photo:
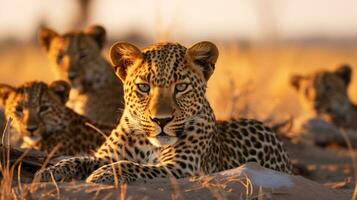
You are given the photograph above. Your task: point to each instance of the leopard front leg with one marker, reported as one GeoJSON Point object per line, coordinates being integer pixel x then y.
{"type": "Point", "coordinates": [72, 168]}
{"type": "Point", "coordinates": [125, 172]}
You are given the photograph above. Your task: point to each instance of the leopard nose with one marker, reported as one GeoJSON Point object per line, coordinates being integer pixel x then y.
{"type": "Point", "coordinates": [32, 128]}
{"type": "Point", "coordinates": [71, 76]}
{"type": "Point", "coordinates": [317, 105]}
{"type": "Point", "coordinates": [162, 122]}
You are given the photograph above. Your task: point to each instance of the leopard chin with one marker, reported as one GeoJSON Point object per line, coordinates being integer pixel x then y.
{"type": "Point", "coordinates": [31, 141]}
{"type": "Point", "coordinates": [162, 140]}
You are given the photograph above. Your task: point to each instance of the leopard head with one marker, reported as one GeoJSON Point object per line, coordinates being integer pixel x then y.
{"type": "Point", "coordinates": [35, 108]}
{"type": "Point", "coordinates": [76, 56]}
{"type": "Point", "coordinates": [164, 86]}
{"type": "Point", "coordinates": [324, 93]}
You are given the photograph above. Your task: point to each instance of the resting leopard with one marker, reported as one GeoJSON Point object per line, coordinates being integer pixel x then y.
{"type": "Point", "coordinates": [168, 127]}
{"type": "Point", "coordinates": [40, 116]}
{"type": "Point", "coordinates": [76, 57]}
{"type": "Point", "coordinates": [324, 94]}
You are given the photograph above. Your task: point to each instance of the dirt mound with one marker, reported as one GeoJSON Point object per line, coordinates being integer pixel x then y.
{"type": "Point", "coordinates": [249, 181]}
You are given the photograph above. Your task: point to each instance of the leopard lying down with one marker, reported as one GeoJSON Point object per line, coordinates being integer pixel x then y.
{"type": "Point", "coordinates": [41, 118]}
{"type": "Point", "coordinates": [168, 127]}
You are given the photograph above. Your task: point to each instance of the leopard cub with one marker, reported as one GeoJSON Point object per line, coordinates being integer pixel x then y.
{"type": "Point", "coordinates": [43, 121]}
{"type": "Point", "coordinates": [77, 58]}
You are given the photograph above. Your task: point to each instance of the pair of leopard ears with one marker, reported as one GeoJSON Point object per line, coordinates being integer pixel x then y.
{"type": "Point", "coordinates": [124, 55]}
{"type": "Point", "coordinates": [344, 72]}
{"type": "Point", "coordinates": [96, 32]}
{"type": "Point", "coordinates": [60, 88]}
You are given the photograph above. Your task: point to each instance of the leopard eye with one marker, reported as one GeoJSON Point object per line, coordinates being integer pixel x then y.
{"type": "Point", "coordinates": [143, 87]}
{"type": "Point", "coordinates": [44, 108]}
{"type": "Point", "coordinates": [82, 55]}
{"type": "Point", "coordinates": [181, 87]}
{"type": "Point", "coordinates": [19, 109]}
{"type": "Point", "coordinates": [306, 92]}
{"type": "Point", "coordinates": [59, 57]}
{"type": "Point", "coordinates": [328, 88]}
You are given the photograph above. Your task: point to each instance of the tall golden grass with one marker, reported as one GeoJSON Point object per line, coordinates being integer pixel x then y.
{"type": "Point", "coordinates": [256, 77]}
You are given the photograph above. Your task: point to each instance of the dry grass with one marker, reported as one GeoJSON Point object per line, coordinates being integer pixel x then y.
{"type": "Point", "coordinates": [6, 170]}
{"type": "Point", "coordinates": [354, 162]}
{"type": "Point", "coordinates": [258, 78]}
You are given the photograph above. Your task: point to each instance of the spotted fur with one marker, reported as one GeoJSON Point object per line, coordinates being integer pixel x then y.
{"type": "Point", "coordinates": [324, 94]}
{"type": "Point", "coordinates": [76, 57]}
{"type": "Point", "coordinates": [168, 127]}
{"type": "Point", "coordinates": [39, 114]}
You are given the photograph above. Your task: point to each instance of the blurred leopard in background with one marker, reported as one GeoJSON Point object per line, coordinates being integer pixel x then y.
{"type": "Point", "coordinates": [324, 94]}
{"type": "Point", "coordinates": [43, 121]}
{"type": "Point", "coordinates": [77, 58]}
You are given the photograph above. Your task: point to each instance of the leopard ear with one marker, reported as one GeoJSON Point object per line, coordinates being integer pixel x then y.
{"type": "Point", "coordinates": [345, 72]}
{"type": "Point", "coordinates": [45, 36]}
{"type": "Point", "coordinates": [61, 89]}
{"type": "Point", "coordinates": [5, 91]}
{"type": "Point", "coordinates": [98, 33]}
{"type": "Point", "coordinates": [205, 55]}
{"type": "Point", "coordinates": [295, 81]}
{"type": "Point", "coordinates": [123, 55]}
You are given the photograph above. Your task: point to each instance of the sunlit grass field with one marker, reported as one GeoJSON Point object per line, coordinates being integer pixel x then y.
{"type": "Point", "coordinates": [249, 80]}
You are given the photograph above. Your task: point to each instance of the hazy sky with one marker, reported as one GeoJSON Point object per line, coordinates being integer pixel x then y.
{"type": "Point", "coordinates": [190, 18]}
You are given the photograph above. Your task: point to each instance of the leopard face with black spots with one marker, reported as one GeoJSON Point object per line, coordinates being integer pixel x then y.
{"type": "Point", "coordinates": [324, 94]}
{"type": "Point", "coordinates": [40, 116]}
{"type": "Point", "coordinates": [76, 57]}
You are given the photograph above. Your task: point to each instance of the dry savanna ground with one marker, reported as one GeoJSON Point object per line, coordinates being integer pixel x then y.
{"type": "Point", "coordinates": [249, 81]}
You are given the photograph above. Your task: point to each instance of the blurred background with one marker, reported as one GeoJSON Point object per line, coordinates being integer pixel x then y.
{"type": "Point", "coordinates": [261, 42]}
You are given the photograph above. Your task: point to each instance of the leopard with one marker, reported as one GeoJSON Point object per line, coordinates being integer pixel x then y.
{"type": "Point", "coordinates": [76, 56]}
{"type": "Point", "coordinates": [168, 128]}
{"type": "Point", "coordinates": [324, 94]}
{"type": "Point", "coordinates": [43, 121]}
